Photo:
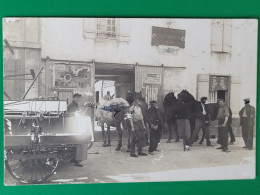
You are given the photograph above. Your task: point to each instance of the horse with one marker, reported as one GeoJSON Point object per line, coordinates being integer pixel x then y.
{"type": "Point", "coordinates": [212, 108]}
{"type": "Point", "coordinates": [183, 107]}
{"type": "Point", "coordinates": [113, 114]}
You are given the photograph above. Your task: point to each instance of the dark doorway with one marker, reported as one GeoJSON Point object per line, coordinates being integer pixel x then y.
{"type": "Point", "coordinates": [223, 94]}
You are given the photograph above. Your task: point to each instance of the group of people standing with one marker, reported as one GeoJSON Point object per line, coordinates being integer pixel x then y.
{"type": "Point", "coordinates": [154, 121]}
{"type": "Point", "coordinates": [224, 118]}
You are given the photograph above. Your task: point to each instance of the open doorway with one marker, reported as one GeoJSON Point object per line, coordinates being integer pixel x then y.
{"type": "Point", "coordinates": [117, 79]}
{"type": "Point", "coordinates": [114, 81]}
{"type": "Point", "coordinates": [105, 89]}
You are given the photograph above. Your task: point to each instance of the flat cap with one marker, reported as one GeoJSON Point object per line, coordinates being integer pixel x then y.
{"type": "Point", "coordinates": [246, 99]}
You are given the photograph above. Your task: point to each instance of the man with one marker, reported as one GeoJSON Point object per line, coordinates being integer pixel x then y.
{"type": "Point", "coordinates": [222, 116]}
{"type": "Point", "coordinates": [107, 97]}
{"type": "Point", "coordinates": [81, 149]}
{"type": "Point", "coordinates": [155, 121]}
{"type": "Point", "coordinates": [74, 105]}
{"type": "Point", "coordinates": [247, 115]}
{"type": "Point", "coordinates": [138, 130]}
{"type": "Point", "coordinates": [202, 122]}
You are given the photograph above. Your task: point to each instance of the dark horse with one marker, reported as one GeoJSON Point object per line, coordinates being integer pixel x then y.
{"type": "Point", "coordinates": [185, 107]}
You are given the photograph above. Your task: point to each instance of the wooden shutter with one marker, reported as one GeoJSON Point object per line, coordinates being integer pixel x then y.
{"type": "Point", "coordinates": [227, 36]}
{"type": "Point", "coordinates": [123, 29]}
{"type": "Point", "coordinates": [217, 28]}
{"type": "Point", "coordinates": [202, 85]}
{"type": "Point", "coordinates": [235, 95]}
{"type": "Point", "coordinates": [151, 91]}
{"type": "Point", "coordinates": [89, 28]}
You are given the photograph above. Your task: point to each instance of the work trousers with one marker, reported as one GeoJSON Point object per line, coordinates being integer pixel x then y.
{"type": "Point", "coordinates": [247, 134]}
{"type": "Point", "coordinates": [155, 136]}
{"type": "Point", "coordinates": [137, 137]}
{"type": "Point", "coordinates": [222, 134]}
{"type": "Point", "coordinates": [200, 124]}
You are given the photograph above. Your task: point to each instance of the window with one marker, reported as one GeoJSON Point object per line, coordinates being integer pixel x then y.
{"type": "Point", "coordinates": [106, 28]}
{"type": "Point", "coordinates": [221, 35]}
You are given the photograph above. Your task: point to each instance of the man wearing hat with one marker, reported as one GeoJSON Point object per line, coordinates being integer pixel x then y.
{"type": "Point", "coordinates": [202, 122]}
{"type": "Point", "coordinates": [74, 105]}
{"type": "Point", "coordinates": [247, 115]}
{"type": "Point", "coordinates": [155, 121]}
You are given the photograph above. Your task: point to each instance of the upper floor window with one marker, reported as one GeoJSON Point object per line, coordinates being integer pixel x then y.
{"type": "Point", "coordinates": [221, 35]}
{"type": "Point", "coordinates": [106, 28]}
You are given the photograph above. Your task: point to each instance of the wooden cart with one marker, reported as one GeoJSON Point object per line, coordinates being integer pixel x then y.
{"type": "Point", "coordinates": [33, 157]}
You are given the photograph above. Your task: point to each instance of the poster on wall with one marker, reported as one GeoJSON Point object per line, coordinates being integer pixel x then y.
{"type": "Point", "coordinates": [74, 77]}
{"type": "Point", "coordinates": [153, 79]}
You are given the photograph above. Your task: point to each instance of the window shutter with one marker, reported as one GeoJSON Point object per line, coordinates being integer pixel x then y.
{"type": "Point", "coordinates": [202, 85]}
{"type": "Point", "coordinates": [89, 28]}
{"type": "Point", "coordinates": [235, 95]}
{"type": "Point", "coordinates": [216, 35]}
{"type": "Point", "coordinates": [123, 29]}
{"type": "Point", "coordinates": [227, 36]}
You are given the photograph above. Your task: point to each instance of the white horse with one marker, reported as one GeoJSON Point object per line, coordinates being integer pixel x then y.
{"type": "Point", "coordinates": [112, 113]}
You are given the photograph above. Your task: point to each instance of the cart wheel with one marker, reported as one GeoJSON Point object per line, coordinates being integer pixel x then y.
{"type": "Point", "coordinates": [32, 170]}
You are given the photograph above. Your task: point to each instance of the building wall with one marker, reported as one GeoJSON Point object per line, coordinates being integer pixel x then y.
{"type": "Point", "coordinates": [24, 36]}
{"type": "Point", "coordinates": [73, 39]}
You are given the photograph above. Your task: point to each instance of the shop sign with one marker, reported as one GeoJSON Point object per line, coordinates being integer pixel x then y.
{"type": "Point", "coordinates": [152, 79]}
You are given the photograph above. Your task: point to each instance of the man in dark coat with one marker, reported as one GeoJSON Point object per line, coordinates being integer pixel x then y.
{"type": "Point", "coordinates": [247, 115]}
{"type": "Point", "coordinates": [202, 122]}
{"type": "Point", "coordinates": [155, 121]}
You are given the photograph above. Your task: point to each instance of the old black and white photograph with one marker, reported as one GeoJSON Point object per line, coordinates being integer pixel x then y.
{"type": "Point", "coordinates": [116, 100]}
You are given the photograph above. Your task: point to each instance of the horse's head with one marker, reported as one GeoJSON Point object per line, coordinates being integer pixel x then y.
{"type": "Point", "coordinates": [139, 96]}
{"type": "Point", "coordinates": [185, 96]}
{"type": "Point", "coordinates": [130, 96]}
{"type": "Point", "coordinates": [169, 99]}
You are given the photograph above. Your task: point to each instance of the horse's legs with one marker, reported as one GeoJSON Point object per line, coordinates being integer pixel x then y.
{"type": "Point", "coordinates": [108, 136]}
{"type": "Point", "coordinates": [120, 135]}
{"type": "Point", "coordinates": [169, 124]}
{"type": "Point", "coordinates": [104, 135]}
{"type": "Point", "coordinates": [192, 126]}
{"type": "Point", "coordinates": [176, 130]}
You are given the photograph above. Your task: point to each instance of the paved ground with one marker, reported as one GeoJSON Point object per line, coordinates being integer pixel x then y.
{"type": "Point", "coordinates": [169, 164]}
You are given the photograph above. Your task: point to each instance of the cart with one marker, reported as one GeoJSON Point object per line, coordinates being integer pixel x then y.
{"type": "Point", "coordinates": [32, 157]}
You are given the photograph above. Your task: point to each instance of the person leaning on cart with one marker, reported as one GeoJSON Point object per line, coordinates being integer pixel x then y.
{"type": "Point", "coordinates": [81, 149]}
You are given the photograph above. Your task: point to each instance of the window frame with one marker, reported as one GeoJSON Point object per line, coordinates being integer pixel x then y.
{"type": "Point", "coordinates": [105, 33]}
